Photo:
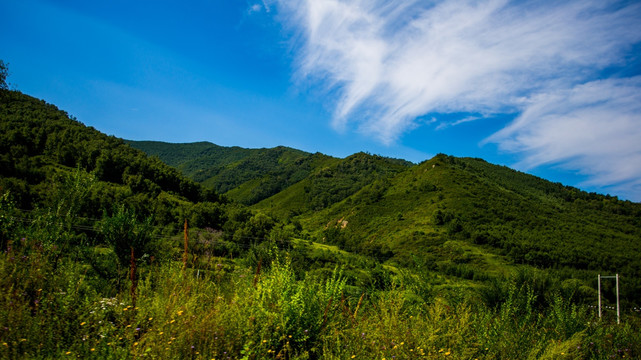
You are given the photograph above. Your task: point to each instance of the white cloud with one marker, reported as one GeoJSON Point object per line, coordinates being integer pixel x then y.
{"type": "Point", "coordinates": [593, 128]}
{"type": "Point", "coordinates": [258, 7]}
{"type": "Point", "coordinates": [392, 62]}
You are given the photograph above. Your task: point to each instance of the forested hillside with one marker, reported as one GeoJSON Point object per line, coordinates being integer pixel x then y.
{"type": "Point", "coordinates": [108, 253]}
{"type": "Point", "coordinates": [245, 175]}
{"type": "Point", "coordinates": [39, 143]}
{"type": "Point", "coordinates": [446, 208]}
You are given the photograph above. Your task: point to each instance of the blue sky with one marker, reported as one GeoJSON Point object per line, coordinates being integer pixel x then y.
{"type": "Point", "coordinates": [549, 88]}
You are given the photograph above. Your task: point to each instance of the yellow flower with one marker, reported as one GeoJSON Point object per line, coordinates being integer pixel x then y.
{"type": "Point", "coordinates": [82, 323]}
{"type": "Point", "coordinates": [353, 356]}
{"type": "Point", "coordinates": [5, 344]}
{"type": "Point", "coordinates": [180, 312]}
{"type": "Point", "coordinates": [93, 349]}
{"type": "Point", "coordinates": [440, 350]}
{"type": "Point", "coordinates": [151, 318]}
{"type": "Point", "coordinates": [160, 333]}
{"type": "Point", "coordinates": [68, 352]}
{"type": "Point", "coordinates": [447, 353]}
{"type": "Point", "coordinates": [136, 344]}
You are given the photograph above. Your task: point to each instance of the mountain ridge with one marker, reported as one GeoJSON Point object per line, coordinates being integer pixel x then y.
{"type": "Point", "coordinates": [396, 210]}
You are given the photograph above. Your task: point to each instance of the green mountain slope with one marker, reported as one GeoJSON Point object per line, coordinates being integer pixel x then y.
{"type": "Point", "coordinates": [244, 175]}
{"type": "Point", "coordinates": [439, 212]}
{"type": "Point", "coordinates": [332, 183]}
{"type": "Point", "coordinates": [40, 146]}
{"type": "Point", "coordinates": [446, 209]}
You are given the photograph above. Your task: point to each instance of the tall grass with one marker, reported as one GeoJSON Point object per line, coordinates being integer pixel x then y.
{"type": "Point", "coordinates": [58, 301]}
{"type": "Point", "coordinates": [52, 311]}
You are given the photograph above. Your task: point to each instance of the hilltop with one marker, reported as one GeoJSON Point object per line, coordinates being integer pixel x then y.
{"type": "Point", "coordinates": [288, 253]}
{"type": "Point", "coordinates": [460, 215]}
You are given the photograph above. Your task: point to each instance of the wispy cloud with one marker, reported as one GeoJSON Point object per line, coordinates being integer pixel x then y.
{"type": "Point", "coordinates": [390, 63]}
{"type": "Point", "coordinates": [593, 128]}
{"type": "Point", "coordinates": [257, 7]}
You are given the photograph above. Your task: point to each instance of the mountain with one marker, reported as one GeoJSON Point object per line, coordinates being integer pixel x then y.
{"type": "Point", "coordinates": [251, 175]}
{"type": "Point", "coordinates": [461, 216]}
{"type": "Point", "coordinates": [452, 256]}
{"type": "Point", "coordinates": [42, 148]}
{"type": "Point", "coordinates": [458, 216]}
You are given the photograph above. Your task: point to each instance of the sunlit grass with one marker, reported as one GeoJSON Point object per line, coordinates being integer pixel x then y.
{"type": "Point", "coordinates": [50, 310]}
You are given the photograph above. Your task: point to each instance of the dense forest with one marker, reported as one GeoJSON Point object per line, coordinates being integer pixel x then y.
{"type": "Point", "coordinates": [202, 251]}
{"type": "Point", "coordinates": [403, 213]}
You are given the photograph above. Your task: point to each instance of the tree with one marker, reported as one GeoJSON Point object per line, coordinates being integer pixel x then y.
{"type": "Point", "coordinates": [4, 73]}
{"type": "Point", "coordinates": [129, 239]}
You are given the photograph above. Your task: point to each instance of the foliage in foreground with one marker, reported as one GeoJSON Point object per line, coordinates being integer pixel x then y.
{"type": "Point", "coordinates": [55, 306]}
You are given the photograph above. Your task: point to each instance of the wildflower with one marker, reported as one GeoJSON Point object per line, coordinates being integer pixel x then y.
{"type": "Point", "coordinates": [5, 344]}
{"type": "Point", "coordinates": [151, 318]}
{"type": "Point", "coordinates": [68, 353]}
{"type": "Point", "coordinates": [93, 349]}
{"type": "Point", "coordinates": [82, 323]}
{"type": "Point", "coordinates": [353, 356]}
{"type": "Point", "coordinates": [136, 344]}
{"type": "Point", "coordinates": [180, 312]}
{"type": "Point", "coordinates": [447, 353]}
